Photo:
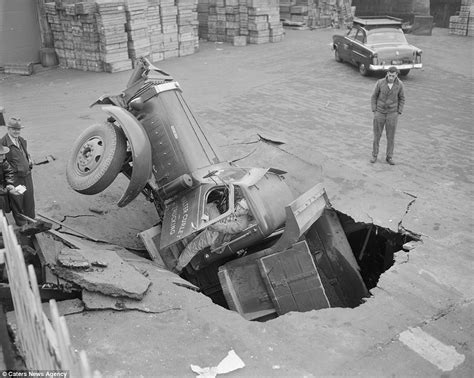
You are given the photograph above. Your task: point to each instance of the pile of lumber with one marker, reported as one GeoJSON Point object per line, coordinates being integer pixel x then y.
{"type": "Point", "coordinates": [244, 21]}
{"type": "Point", "coordinates": [463, 24]}
{"type": "Point", "coordinates": [109, 35]}
{"type": "Point", "coordinates": [318, 13]}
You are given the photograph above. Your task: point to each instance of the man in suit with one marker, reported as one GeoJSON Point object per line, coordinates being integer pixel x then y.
{"type": "Point", "coordinates": [21, 163]}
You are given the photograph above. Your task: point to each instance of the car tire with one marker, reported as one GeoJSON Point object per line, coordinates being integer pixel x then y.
{"type": "Point", "coordinates": [404, 72]}
{"type": "Point", "coordinates": [97, 158]}
{"type": "Point", "coordinates": [336, 56]}
{"type": "Point", "coordinates": [363, 70]}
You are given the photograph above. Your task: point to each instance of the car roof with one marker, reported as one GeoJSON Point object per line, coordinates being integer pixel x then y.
{"type": "Point", "coordinates": [374, 22]}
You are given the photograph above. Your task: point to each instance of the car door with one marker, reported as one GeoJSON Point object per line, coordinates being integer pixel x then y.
{"type": "Point", "coordinates": [359, 52]}
{"type": "Point", "coordinates": [346, 45]}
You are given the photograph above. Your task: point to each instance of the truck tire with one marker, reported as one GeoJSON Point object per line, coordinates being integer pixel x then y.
{"type": "Point", "coordinates": [337, 56]}
{"type": "Point", "coordinates": [97, 158]}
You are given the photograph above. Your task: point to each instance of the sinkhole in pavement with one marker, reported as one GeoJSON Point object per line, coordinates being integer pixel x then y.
{"type": "Point", "coordinates": [372, 246]}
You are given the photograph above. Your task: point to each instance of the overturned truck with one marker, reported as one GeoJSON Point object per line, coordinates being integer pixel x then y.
{"type": "Point", "coordinates": [293, 256]}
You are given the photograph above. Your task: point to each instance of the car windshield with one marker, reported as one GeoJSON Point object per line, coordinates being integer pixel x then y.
{"type": "Point", "coordinates": [385, 35]}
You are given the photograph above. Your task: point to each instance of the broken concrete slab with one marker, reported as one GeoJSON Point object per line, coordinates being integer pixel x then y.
{"type": "Point", "coordinates": [117, 278]}
{"type": "Point", "coordinates": [71, 258]}
{"type": "Point", "coordinates": [160, 297]}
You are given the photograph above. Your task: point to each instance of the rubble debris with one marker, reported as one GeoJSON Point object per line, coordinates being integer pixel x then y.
{"type": "Point", "coordinates": [47, 248]}
{"type": "Point", "coordinates": [117, 279]}
{"type": "Point", "coordinates": [45, 160]}
{"type": "Point", "coordinates": [97, 210]}
{"type": "Point", "coordinates": [157, 299]}
{"type": "Point", "coordinates": [71, 258]}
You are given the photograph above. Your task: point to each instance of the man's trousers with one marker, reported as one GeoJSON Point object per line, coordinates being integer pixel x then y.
{"type": "Point", "coordinates": [389, 121]}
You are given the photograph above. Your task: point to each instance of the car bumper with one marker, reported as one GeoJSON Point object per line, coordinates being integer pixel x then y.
{"type": "Point", "coordinates": [384, 67]}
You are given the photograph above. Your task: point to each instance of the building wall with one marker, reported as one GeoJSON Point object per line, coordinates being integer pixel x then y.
{"type": "Point", "coordinates": [20, 40]}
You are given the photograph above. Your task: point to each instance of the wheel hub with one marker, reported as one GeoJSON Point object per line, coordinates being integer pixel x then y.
{"type": "Point", "coordinates": [89, 155]}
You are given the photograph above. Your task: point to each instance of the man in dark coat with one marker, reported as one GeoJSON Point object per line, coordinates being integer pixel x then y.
{"type": "Point", "coordinates": [6, 181]}
{"type": "Point", "coordinates": [21, 163]}
{"type": "Point", "coordinates": [387, 103]}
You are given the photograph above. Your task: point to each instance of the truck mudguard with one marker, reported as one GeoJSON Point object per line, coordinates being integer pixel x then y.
{"type": "Point", "coordinates": [141, 152]}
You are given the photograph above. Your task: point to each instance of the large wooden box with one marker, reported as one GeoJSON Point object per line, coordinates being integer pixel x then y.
{"type": "Point", "coordinates": [267, 284]}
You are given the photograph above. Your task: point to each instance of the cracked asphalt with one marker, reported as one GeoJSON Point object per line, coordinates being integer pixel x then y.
{"type": "Point", "coordinates": [418, 321]}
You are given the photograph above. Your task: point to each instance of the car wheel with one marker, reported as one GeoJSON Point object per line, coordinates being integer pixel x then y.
{"type": "Point", "coordinates": [404, 72]}
{"type": "Point", "coordinates": [97, 158]}
{"type": "Point", "coordinates": [336, 56]}
{"type": "Point", "coordinates": [363, 70]}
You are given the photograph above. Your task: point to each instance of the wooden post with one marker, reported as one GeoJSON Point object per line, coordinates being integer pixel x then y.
{"type": "Point", "coordinates": [47, 40]}
{"type": "Point", "coordinates": [47, 53]}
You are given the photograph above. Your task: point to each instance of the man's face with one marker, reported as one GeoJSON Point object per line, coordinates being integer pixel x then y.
{"type": "Point", "coordinates": [391, 76]}
{"type": "Point", "coordinates": [14, 132]}
{"type": "Point", "coordinates": [239, 210]}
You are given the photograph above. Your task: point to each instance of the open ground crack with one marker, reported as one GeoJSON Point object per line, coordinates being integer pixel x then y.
{"type": "Point", "coordinates": [401, 228]}
{"type": "Point", "coordinates": [134, 309]}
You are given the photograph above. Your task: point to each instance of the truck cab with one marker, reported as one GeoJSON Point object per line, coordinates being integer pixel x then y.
{"type": "Point", "coordinates": [152, 137]}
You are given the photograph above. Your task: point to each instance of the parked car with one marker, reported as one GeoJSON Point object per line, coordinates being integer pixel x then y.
{"type": "Point", "coordinates": [375, 44]}
{"type": "Point", "coordinates": [152, 137]}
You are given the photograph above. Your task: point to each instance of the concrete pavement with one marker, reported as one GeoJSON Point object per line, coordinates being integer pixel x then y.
{"type": "Point", "coordinates": [294, 91]}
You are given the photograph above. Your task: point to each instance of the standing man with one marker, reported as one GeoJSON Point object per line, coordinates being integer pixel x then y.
{"type": "Point", "coordinates": [388, 100]}
{"type": "Point", "coordinates": [6, 181]}
{"type": "Point", "coordinates": [21, 163]}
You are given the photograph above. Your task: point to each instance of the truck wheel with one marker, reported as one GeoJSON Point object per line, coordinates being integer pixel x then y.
{"type": "Point", "coordinates": [363, 70]}
{"type": "Point", "coordinates": [97, 158]}
{"type": "Point", "coordinates": [404, 72]}
{"type": "Point", "coordinates": [336, 56]}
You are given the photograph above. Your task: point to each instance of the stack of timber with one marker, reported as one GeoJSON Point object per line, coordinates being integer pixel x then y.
{"type": "Point", "coordinates": [463, 24]}
{"type": "Point", "coordinates": [138, 43]}
{"type": "Point", "coordinates": [75, 33]}
{"type": "Point", "coordinates": [203, 18]}
{"type": "Point", "coordinates": [318, 13]}
{"type": "Point", "coordinates": [244, 21]}
{"type": "Point", "coordinates": [187, 27]}
{"type": "Point", "coordinates": [112, 36]}
{"type": "Point", "coordinates": [109, 35]}
{"type": "Point", "coordinates": [155, 31]}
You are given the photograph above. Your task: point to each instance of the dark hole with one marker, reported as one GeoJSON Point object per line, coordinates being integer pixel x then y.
{"type": "Point", "coordinates": [373, 247]}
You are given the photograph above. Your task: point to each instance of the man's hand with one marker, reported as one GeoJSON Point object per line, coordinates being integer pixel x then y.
{"type": "Point", "coordinates": [12, 190]}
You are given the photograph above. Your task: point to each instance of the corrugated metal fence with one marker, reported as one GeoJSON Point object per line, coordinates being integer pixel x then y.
{"type": "Point", "coordinates": [45, 345]}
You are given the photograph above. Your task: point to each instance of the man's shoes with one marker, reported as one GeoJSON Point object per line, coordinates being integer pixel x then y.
{"type": "Point", "coordinates": [374, 159]}
{"type": "Point", "coordinates": [390, 161]}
